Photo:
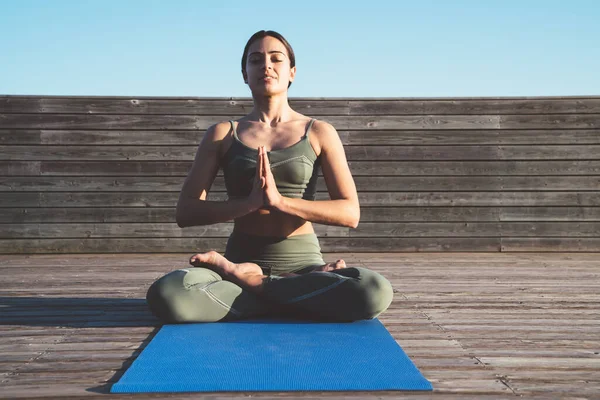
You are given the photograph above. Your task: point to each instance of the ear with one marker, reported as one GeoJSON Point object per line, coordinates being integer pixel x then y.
{"type": "Point", "coordinates": [292, 73]}
{"type": "Point", "coordinates": [245, 75]}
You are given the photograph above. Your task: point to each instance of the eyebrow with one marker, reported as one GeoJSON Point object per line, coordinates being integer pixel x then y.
{"type": "Point", "coordinates": [274, 51]}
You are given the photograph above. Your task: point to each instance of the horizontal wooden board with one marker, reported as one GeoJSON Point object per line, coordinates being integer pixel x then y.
{"type": "Point", "coordinates": [469, 137]}
{"type": "Point", "coordinates": [313, 106]}
{"type": "Point", "coordinates": [174, 106]}
{"type": "Point", "coordinates": [363, 183]}
{"type": "Point", "coordinates": [201, 122]}
{"type": "Point", "coordinates": [179, 245]}
{"type": "Point", "coordinates": [479, 107]}
{"type": "Point", "coordinates": [364, 230]}
{"type": "Point", "coordinates": [379, 199]}
{"type": "Point", "coordinates": [551, 244]}
{"type": "Point", "coordinates": [353, 153]}
{"type": "Point", "coordinates": [393, 137]}
{"type": "Point", "coordinates": [357, 168]}
{"type": "Point", "coordinates": [368, 214]}
{"type": "Point", "coordinates": [328, 245]}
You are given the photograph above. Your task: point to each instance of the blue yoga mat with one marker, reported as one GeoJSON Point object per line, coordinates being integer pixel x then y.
{"type": "Point", "coordinates": [272, 355]}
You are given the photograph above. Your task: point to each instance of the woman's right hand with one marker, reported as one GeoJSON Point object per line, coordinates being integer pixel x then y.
{"type": "Point", "coordinates": [257, 195]}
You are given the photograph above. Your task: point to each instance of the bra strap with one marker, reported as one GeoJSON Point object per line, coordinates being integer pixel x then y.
{"type": "Point", "coordinates": [309, 126]}
{"type": "Point", "coordinates": [233, 128]}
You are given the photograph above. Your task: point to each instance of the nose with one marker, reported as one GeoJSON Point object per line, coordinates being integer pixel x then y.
{"type": "Point", "coordinates": [268, 64]}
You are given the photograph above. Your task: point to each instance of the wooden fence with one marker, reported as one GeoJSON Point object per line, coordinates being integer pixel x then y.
{"type": "Point", "coordinates": [103, 174]}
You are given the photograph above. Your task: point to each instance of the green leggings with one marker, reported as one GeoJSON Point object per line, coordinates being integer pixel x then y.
{"type": "Point", "coordinates": [198, 294]}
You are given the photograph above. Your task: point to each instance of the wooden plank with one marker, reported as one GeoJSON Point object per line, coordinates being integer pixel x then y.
{"type": "Point", "coordinates": [368, 214]}
{"type": "Point", "coordinates": [550, 244]}
{"type": "Point", "coordinates": [555, 376]}
{"type": "Point", "coordinates": [477, 229]}
{"type": "Point", "coordinates": [468, 137]}
{"type": "Point", "coordinates": [357, 168]}
{"type": "Point", "coordinates": [454, 168]}
{"type": "Point", "coordinates": [467, 214]}
{"type": "Point", "coordinates": [132, 230]}
{"type": "Point", "coordinates": [391, 137]}
{"type": "Point", "coordinates": [415, 264]}
{"type": "Point", "coordinates": [479, 107]}
{"type": "Point", "coordinates": [195, 106]}
{"type": "Point", "coordinates": [367, 199]}
{"type": "Point", "coordinates": [543, 362]}
{"type": "Point", "coordinates": [202, 122]}
{"type": "Point", "coordinates": [363, 183]}
{"type": "Point", "coordinates": [328, 244]}
{"type": "Point", "coordinates": [504, 198]}
{"type": "Point", "coordinates": [364, 230]}
{"type": "Point", "coordinates": [353, 153]}
{"type": "Point", "coordinates": [585, 121]}
{"type": "Point", "coordinates": [144, 245]}
{"type": "Point", "coordinates": [216, 106]}
{"type": "Point", "coordinates": [585, 389]}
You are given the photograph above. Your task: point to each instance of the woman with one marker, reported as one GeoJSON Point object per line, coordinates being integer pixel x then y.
{"type": "Point", "coordinates": [272, 263]}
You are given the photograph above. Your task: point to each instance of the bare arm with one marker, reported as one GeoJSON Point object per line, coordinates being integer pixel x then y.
{"type": "Point", "coordinates": [343, 209]}
{"type": "Point", "coordinates": [192, 207]}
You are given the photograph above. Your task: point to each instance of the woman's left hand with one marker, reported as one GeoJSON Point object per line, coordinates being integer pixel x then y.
{"type": "Point", "coordinates": [272, 196]}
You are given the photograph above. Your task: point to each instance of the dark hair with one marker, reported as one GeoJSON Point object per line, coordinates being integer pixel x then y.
{"type": "Point", "coordinates": [262, 34]}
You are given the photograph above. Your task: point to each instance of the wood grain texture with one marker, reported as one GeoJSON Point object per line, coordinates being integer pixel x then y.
{"type": "Point", "coordinates": [363, 183]}
{"type": "Point", "coordinates": [201, 122]}
{"type": "Point", "coordinates": [377, 152]}
{"type": "Point", "coordinates": [478, 325]}
{"type": "Point", "coordinates": [378, 199]}
{"type": "Point", "coordinates": [393, 137]}
{"type": "Point", "coordinates": [180, 169]}
{"type": "Point", "coordinates": [216, 106]}
{"type": "Point", "coordinates": [102, 174]}
{"type": "Point", "coordinates": [153, 215]}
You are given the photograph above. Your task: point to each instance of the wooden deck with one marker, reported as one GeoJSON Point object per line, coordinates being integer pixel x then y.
{"type": "Point", "coordinates": [478, 325]}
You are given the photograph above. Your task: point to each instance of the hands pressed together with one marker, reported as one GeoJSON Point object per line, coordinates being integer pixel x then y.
{"type": "Point", "coordinates": [264, 190]}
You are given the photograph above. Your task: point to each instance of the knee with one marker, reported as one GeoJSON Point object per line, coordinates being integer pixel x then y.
{"type": "Point", "coordinates": [162, 295]}
{"type": "Point", "coordinates": [168, 297]}
{"type": "Point", "coordinates": [375, 291]}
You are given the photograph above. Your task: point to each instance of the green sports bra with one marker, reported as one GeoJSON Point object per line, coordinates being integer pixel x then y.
{"type": "Point", "coordinates": [295, 168]}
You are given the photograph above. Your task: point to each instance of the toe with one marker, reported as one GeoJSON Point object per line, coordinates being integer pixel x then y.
{"type": "Point", "coordinates": [197, 258]}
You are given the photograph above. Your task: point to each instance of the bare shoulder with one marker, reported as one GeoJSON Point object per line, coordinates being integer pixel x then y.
{"type": "Point", "coordinates": [217, 138]}
{"type": "Point", "coordinates": [325, 135]}
{"type": "Point", "coordinates": [218, 131]}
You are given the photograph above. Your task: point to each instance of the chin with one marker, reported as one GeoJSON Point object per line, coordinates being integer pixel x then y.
{"type": "Point", "coordinates": [263, 91]}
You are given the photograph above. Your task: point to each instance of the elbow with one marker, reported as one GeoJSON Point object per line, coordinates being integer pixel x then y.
{"type": "Point", "coordinates": [191, 214]}
{"type": "Point", "coordinates": [353, 217]}
{"type": "Point", "coordinates": [180, 217]}
{"type": "Point", "coordinates": [179, 220]}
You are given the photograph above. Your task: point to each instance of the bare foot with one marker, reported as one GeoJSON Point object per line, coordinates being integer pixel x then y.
{"type": "Point", "coordinates": [247, 275]}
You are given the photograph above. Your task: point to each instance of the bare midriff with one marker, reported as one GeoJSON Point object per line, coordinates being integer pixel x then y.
{"type": "Point", "coordinates": [265, 222]}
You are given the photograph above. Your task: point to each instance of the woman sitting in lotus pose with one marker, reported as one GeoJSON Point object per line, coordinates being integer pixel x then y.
{"type": "Point", "coordinates": [272, 263]}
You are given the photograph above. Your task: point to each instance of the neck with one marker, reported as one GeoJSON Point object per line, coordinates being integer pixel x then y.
{"type": "Point", "coordinates": [271, 109]}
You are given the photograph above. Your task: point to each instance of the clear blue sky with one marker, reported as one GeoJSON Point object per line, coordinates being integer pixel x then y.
{"type": "Point", "coordinates": [366, 48]}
